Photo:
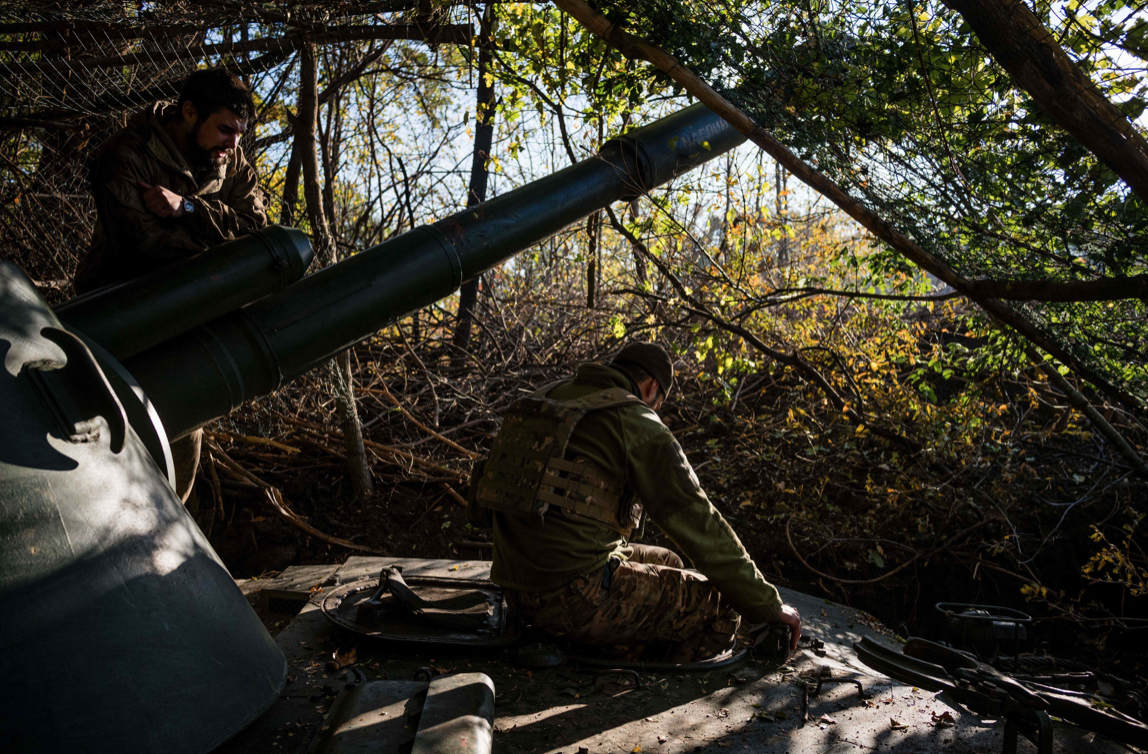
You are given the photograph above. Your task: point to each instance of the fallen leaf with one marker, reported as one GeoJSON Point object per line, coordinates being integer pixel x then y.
{"type": "Point", "coordinates": [827, 720]}
{"type": "Point", "coordinates": [896, 725]}
{"type": "Point", "coordinates": [943, 720]}
{"type": "Point", "coordinates": [636, 749]}
{"type": "Point", "coordinates": [345, 659]}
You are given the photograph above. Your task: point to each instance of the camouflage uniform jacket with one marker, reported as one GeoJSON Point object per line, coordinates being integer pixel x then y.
{"type": "Point", "coordinates": [630, 443]}
{"type": "Point", "coordinates": [130, 241]}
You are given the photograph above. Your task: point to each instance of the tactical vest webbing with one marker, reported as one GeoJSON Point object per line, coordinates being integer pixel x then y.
{"type": "Point", "coordinates": [526, 471]}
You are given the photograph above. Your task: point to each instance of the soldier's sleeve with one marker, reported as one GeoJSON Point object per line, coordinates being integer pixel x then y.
{"type": "Point", "coordinates": [667, 485]}
{"type": "Point", "coordinates": [141, 238]}
{"type": "Point", "coordinates": [240, 212]}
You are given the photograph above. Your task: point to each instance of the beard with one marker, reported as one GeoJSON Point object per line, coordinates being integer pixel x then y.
{"type": "Point", "coordinates": [202, 158]}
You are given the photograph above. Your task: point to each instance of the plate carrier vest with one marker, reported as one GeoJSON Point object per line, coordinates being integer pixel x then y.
{"type": "Point", "coordinates": [526, 471]}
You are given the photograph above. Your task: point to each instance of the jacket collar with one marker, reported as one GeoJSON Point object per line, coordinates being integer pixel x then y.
{"type": "Point", "coordinates": [600, 375]}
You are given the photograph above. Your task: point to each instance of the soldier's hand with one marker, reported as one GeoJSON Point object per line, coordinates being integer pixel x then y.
{"type": "Point", "coordinates": [790, 617]}
{"type": "Point", "coordinates": [161, 201]}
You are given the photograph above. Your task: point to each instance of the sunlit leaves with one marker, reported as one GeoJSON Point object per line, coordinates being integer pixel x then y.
{"type": "Point", "coordinates": [901, 106]}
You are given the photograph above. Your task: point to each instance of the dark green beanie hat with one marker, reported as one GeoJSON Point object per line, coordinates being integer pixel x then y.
{"type": "Point", "coordinates": [652, 358]}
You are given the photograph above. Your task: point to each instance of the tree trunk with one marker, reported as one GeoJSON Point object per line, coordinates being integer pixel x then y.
{"type": "Point", "coordinates": [593, 224]}
{"type": "Point", "coordinates": [782, 214]}
{"type": "Point", "coordinates": [1017, 39]}
{"type": "Point", "coordinates": [305, 138]}
{"type": "Point", "coordinates": [291, 184]}
{"type": "Point", "coordinates": [338, 369]}
{"type": "Point", "coordinates": [329, 154]}
{"type": "Point", "coordinates": [479, 173]}
{"type": "Point", "coordinates": [640, 269]}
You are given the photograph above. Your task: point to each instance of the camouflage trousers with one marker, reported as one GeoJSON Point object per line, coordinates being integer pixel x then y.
{"type": "Point", "coordinates": [646, 599]}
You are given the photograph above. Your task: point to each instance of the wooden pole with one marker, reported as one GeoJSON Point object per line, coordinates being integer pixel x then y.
{"type": "Point", "coordinates": [339, 368]}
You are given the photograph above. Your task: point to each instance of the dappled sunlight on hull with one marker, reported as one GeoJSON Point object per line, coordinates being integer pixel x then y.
{"type": "Point", "coordinates": [120, 629]}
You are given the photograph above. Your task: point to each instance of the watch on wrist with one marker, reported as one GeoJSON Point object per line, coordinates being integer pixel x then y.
{"type": "Point", "coordinates": [188, 207]}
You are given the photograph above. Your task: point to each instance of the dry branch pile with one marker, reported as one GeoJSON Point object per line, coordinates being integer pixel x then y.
{"type": "Point", "coordinates": [821, 505]}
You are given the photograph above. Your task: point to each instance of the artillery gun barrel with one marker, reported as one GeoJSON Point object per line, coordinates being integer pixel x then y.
{"type": "Point", "coordinates": [130, 317]}
{"type": "Point", "coordinates": [211, 370]}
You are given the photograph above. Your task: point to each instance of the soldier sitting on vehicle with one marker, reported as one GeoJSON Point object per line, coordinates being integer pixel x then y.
{"type": "Point", "coordinates": [172, 184]}
{"type": "Point", "coordinates": [573, 470]}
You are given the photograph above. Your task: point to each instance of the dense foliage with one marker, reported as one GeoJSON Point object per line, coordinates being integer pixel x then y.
{"type": "Point", "coordinates": [902, 106]}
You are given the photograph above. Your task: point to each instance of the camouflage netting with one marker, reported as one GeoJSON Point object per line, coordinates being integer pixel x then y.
{"type": "Point", "coordinates": [72, 72]}
{"type": "Point", "coordinates": [902, 106]}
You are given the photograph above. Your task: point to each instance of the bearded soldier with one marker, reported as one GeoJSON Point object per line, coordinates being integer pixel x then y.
{"type": "Point", "coordinates": [573, 472]}
{"type": "Point", "coordinates": [172, 184]}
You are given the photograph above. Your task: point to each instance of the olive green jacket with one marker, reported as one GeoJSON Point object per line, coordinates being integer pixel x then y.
{"type": "Point", "coordinates": [630, 443]}
{"type": "Point", "coordinates": [128, 240]}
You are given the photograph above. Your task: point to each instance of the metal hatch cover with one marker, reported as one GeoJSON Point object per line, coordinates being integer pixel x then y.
{"type": "Point", "coordinates": [424, 610]}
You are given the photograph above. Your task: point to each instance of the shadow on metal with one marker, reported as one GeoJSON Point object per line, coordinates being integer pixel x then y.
{"type": "Point", "coordinates": [452, 714]}
{"type": "Point", "coordinates": [120, 629]}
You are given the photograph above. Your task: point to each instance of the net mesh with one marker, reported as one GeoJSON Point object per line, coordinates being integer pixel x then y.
{"type": "Point", "coordinates": [72, 73]}
{"type": "Point", "coordinates": [901, 106]}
